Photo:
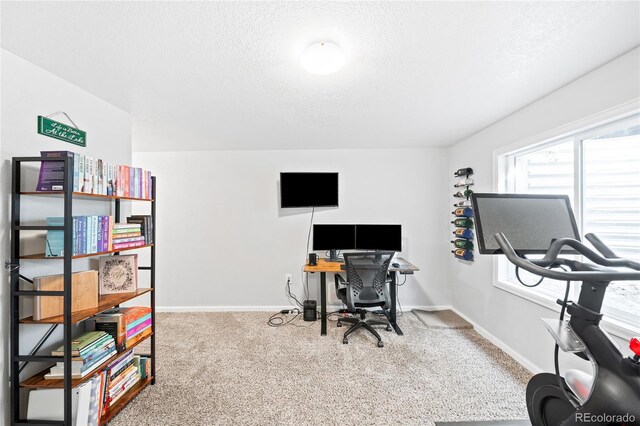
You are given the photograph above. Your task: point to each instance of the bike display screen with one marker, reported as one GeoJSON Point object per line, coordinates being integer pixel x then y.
{"type": "Point", "coordinates": [529, 221]}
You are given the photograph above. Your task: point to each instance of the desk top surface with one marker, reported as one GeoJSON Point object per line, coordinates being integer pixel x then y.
{"type": "Point", "coordinates": [324, 266]}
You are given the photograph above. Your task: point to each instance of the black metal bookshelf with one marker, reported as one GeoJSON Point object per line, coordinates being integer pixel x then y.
{"type": "Point", "coordinates": [67, 319]}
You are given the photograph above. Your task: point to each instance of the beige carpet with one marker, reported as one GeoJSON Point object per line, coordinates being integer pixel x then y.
{"type": "Point", "coordinates": [231, 368]}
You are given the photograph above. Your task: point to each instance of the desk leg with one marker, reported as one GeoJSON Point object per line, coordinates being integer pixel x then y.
{"type": "Point", "coordinates": [392, 311]}
{"type": "Point", "coordinates": [323, 303]}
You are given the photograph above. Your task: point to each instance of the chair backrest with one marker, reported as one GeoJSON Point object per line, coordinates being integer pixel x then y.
{"type": "Point", "coordinates": [367, 278]}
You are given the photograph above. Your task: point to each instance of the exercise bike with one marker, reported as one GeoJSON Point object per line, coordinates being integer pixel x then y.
{"type": "Point", "coordinates": [611, 396]}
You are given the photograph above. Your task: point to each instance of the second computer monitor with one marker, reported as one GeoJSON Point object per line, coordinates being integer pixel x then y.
{"type": "Point", "coordinates": [379, 237]}
{"type": "Point", "coordinates": [334, 237]}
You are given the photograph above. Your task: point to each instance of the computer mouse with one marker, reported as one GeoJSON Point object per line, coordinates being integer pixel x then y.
{"type": "Point", "coordinates": [395, 265]}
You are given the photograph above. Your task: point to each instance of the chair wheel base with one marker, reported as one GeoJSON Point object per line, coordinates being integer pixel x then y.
{"type": "Point", "coordinates": [339, 324]}
{"type": "Point", "coordinates": [389, 328]}
{"type": "Point", "coordinates": [380, 344]}
{"type": "Point", "coordinates": [345, 341]}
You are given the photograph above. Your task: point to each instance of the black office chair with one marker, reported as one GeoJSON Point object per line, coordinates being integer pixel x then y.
{"type": "Point", "coordinates": [365, 287]}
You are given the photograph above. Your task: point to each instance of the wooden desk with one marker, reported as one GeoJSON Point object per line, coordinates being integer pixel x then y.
{"type": "Point", "coordinates": [324, 267]}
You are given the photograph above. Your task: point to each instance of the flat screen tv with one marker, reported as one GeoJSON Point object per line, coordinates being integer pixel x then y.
{"type": "Point", "coordinates": [308, 189]}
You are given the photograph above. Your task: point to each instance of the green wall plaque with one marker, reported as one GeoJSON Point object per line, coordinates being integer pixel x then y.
{"type": "Point", "coordinates": [64, 132]}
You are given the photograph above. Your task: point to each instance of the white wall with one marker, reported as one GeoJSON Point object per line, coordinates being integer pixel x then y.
{"type": "Point", "coordinates": [29, 91]}
{"type": "Point", "coordinates": [224, 243]}
{"type": "Point", "coordinates": [509, 318]}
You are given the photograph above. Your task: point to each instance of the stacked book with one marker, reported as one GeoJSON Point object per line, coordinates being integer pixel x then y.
{"type": "Point", "coordinates": [127, 235]}
{"type": "Point", "coordinates": [120, 376]}
{"type": "Point", "coordinates": [94, 176]}
{"type": "Point", "coordinates": [91, 234]}
{"type": "Point", "coordinates": [146, 224]}
{"type": "Point", "coordinates": [88, 352]}
{"type": "Point", "coordinates": [127, 326]}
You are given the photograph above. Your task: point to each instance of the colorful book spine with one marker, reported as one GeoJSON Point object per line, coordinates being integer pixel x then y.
{"type": "Point", "coordinates": [138, 329]}
{"type": "Point", "coordinates": [138, 321]}
{"type": "Point", "coordinates": [88, 173]}
{"type": "Point", "coordinates": [138, 337]}
{"type": "Point", "coordinates": [99, 237]}
{"type": "Point", "coordinates": [127, 234]}
{"type": "Point", "coordinates": [80, 161]}
{"type": "Point", "coordinates": [127, 181]}
{"type": "Point", "coordinates": [88, 236]}
{"type": "Point", "coordinates": [94, 176]}
{"type": "Point", "coordinates": [105, 234]}
{"type": "Point", "coordinates": [128, 245]}
{"type": "Point", "coordinates": [120, 364]}
{"type": "Point", "coordinates": [83, 235]}
{"type": "Point", "coordinates": [132, 378]}
{"type": "Point", "coordinates": [76, 172]}
{"type": "Point", "coordinates": [75, 236]}
{"type": "Point", "coordinates": [119, 240]}
{"type": "Point", "coordinates": [111, 222]}
{"type": "Point", "coordinates": [132, 179]}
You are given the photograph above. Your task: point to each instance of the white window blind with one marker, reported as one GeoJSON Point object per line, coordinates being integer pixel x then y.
{"type": "Point", "coordinates": [611, 208]}
{"type": "Point", "coordinates": [599, 169]}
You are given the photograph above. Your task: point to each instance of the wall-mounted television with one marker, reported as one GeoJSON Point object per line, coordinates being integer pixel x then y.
{"type": "Point", "coordinates": [308, 189]}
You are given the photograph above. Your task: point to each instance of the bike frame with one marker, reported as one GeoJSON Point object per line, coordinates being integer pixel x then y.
{"type": "Point", "coordinates": [616, 378]}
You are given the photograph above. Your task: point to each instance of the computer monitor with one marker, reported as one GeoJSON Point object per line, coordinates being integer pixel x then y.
{"type": "Point", "coordinates": [307, 189]}
{"type": "Point", "coordinates": [529, 221]}
{"type": "Point", "coordinates": [334, 237]}
{"type": "Point", "coordinates": [379, 237]}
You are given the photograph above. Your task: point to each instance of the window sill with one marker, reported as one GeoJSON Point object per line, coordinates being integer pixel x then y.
{"type": "Point", "coordinates": [612, 326]}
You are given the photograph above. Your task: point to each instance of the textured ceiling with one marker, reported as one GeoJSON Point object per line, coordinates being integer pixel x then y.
{"type": "Point", "coordinates": [226, 75]}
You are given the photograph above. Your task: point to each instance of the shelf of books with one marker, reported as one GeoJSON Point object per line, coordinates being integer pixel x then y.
{"type": "Point", "coordinates": [99, 371]}
{"type": "Point", "coordinates": [84, 195]}
{"type": "Point", "coordinates": [40, 380]}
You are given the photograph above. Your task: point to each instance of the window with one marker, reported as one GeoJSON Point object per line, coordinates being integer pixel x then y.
{"type": "Point", "coordinates": [599, 169]}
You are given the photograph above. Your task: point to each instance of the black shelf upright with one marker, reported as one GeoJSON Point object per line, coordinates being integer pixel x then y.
{"type": "Point", "coordinates": [16, 357]}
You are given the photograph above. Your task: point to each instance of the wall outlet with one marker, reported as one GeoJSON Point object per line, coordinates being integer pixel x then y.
{"type": "Point", "coordinates": [289, 278]}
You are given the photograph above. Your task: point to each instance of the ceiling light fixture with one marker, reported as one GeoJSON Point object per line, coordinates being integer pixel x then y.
{"type": "Point", "coordinates": [322, 58]}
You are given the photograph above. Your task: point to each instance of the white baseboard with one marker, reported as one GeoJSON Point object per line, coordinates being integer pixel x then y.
{"type": "Point", "coordinates": [330, 308]}
{"type": "Point", "coordinates": [534, 369]}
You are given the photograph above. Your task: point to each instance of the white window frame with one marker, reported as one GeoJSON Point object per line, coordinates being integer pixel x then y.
{"type": "Point", "coordinates": [592, 126]}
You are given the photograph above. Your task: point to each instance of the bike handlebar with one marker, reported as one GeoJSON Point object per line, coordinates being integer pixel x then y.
{"type": "Point", "coordinates": [538, 267]}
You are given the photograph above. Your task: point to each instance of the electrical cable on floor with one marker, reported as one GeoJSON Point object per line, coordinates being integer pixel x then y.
{"type": "Point", "coordinates": [279, 319]}
{"type": "Point", "coordinates": [334, 313]}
